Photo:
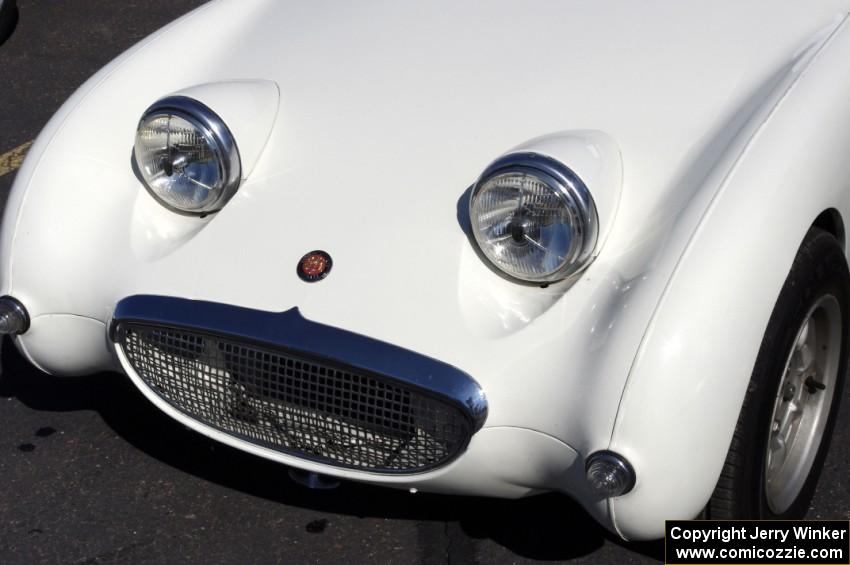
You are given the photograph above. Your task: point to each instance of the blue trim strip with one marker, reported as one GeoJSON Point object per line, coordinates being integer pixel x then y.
{"type": "Point", "coordinates": [292, 331]}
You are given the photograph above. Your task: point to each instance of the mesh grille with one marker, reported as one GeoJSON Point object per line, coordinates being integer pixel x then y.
{"type": "Point", "coordinates": [311, 408]}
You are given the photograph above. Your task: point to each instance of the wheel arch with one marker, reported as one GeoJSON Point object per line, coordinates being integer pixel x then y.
{"type": "Point", "coordinates": [830, 221]}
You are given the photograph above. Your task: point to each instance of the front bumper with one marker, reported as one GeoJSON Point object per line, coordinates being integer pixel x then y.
{"type": "Point", "coordinates": [313, 421]}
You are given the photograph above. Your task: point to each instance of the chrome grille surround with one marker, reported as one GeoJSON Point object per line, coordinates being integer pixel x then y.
{"type": "Point", "coordinates": [303, 403]}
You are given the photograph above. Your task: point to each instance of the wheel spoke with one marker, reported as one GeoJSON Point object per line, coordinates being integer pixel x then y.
{"type": "Point", "coordinates": [802, 359]}
{"type": "Point", "coordinates": [802, 403]}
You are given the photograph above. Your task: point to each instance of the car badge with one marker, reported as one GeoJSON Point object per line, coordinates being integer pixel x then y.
{"type": "Point", "coordinates": [314, 266]}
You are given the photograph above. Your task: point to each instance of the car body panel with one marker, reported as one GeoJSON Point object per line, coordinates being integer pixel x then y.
{"type": "Point", "coordinates": [387, 115]}
{"type": "Point", "coordinates": [727, 282]}
{"type": "Point", "coordinates": [249, 107]}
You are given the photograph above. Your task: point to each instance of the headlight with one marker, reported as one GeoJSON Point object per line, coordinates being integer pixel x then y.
{"type": "Point", "coordinates": [533, 218]}
{"type": "Point", "coordinates": [186, 155]}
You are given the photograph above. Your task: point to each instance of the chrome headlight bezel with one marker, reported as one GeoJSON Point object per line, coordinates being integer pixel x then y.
{"type": "Point", "coordinates": [571, 191]}
{"type": "Point", "coordinates": [216, 132]}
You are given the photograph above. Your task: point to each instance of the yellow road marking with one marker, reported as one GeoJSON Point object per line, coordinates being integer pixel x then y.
{"type": "Point", "coordinates": [11, 160]}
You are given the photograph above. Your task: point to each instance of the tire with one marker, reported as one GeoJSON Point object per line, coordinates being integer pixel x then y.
{"type": "Point", "coordinates": [771, 470]}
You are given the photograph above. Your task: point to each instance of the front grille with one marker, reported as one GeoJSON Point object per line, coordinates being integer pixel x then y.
{"type": "Point", "coordinates": [289, 402]}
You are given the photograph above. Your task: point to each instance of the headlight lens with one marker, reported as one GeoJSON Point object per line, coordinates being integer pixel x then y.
{"type": "Point", "coordinates": [186, 156]}
{"type": "Point", "coordinates": [533, 218]}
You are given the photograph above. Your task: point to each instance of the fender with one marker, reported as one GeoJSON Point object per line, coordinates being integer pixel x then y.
{"type": "Point", "coordinates": [698, 352]}
{"type": "Point", "coordinates": [43, 180]}
{"type": "Point", "coordinates": [17, 196]}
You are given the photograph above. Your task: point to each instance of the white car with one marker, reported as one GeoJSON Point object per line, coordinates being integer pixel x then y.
{"type": "Point", "coordinates": [483, 248]}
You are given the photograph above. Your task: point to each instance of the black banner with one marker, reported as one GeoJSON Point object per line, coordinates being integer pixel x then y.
{"type": "Point", "coordinates": [760, 542]}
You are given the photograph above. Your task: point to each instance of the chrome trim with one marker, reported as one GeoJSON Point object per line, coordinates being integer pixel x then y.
{"type": "Point", "coordinates": [572, 189]}
{"type": "Point", "coordinates": [212, 126]}
{"type": "Point", "coordinates": [12, 306]}
{"type": "Point", "coordinates": [291, 331]}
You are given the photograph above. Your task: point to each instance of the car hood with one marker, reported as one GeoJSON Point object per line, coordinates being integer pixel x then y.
{"type": "Point", "coordinates": [387, 101]}
{"type": "Point", "coordinates": [388, 112]}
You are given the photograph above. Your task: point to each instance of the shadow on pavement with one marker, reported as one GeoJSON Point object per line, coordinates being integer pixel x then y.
{"type": "Point", "coordinates": [8, 19]}
{"type": "Point", "coordinates": [546, 527]}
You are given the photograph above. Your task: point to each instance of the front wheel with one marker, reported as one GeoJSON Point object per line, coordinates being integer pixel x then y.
{"type": "Point", "coordinates": [790, 407]}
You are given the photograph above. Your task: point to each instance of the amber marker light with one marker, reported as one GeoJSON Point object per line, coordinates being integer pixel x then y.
{"type": "Point", "coordinates": [314, 266]}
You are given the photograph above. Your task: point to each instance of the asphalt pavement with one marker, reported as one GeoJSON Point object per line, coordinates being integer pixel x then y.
{"type": "Point", "coordinates": [90, 472]}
